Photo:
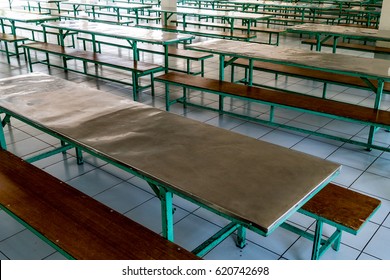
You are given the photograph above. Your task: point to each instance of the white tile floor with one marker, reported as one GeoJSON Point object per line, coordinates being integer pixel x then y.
{"type": "Point", "coordinates": [367, 172]}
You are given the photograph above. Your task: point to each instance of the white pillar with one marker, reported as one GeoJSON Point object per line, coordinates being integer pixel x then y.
{"type": "Point", "coordinates": [170, 4]}
{"type": "Point", "coordinates": [384, 23]}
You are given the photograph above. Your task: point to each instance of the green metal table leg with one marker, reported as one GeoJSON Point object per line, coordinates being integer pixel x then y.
{"type": "Point", "coordinates": [221, 78]}
{"type": "Point", "coordinates": [6, 120]}
{"type": "Point", "coordinates": [167, 101]}
{"type": "Point", "coordinates": [79, 156]}
{"type": "Point", "coordinates": [241, 237]}
{"type": "Point", "coordinates": [3, 143]}
{"type": "Point", "coordinates": [166, 198]}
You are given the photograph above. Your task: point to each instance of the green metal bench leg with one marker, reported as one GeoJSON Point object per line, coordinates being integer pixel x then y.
{"type": "Point", "coordinates": [16, 49]}
{"type": "Point", "coordinates": [167, 101]}
{"type": "Point", "coordinates": [3, 143]}
{"type": "Point", "coordinates": [202, 68]}
{"type": "Point", "coordinates": [315, 255]}
{"type": "Point", "coordinates": [337, 242]}
{"type": "Point", "coordinates": [152, 83]}
{"type": "Point", "coordinates": [135, 86]}
{"type": "Point", "coordinates": [324, 90]}
{"type": "Point", "coordinates": [29, 60]}
{"type": "Point", "coordinates": [232, 74]}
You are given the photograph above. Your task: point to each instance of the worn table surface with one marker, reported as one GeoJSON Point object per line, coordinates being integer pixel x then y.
{"type": "Point", "coordinates": [119, 31]}
{"type": "Point", "coordinates": [372, 68]}
{"type": "Point", "coordinates": [254, 181]}
{"type": "Point", "coordinates": [344, 31]}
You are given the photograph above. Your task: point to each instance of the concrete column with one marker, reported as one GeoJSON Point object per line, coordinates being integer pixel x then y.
{"type": "Point", "coordinates": [384, 23]}
{"type": "Point", "coordinates": [170, 4]}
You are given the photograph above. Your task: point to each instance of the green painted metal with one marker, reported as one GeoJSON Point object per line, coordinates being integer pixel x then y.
{"type": "Point", "coordinates": [368, 144]}
{"type": "Point", "coordinates": [241, 237]}
{"type": "Point", "coordinates": [166, 198]}
{"type": "Point", "coordinates": [55, 151]}
{"type": "Point", "coordinates": [6, 120]}
{"type": "Point", "coordinates": [216, 239]}
{"type": "Point", "coordinates": [3, 142]}
{"type": "Point", "coordinates": [135, 74]}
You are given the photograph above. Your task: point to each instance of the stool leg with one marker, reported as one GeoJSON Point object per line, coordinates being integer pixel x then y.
{"type": "Point", "coordinates": [336, 244]}
{"type": "Point", "coordinates": [317, 241]}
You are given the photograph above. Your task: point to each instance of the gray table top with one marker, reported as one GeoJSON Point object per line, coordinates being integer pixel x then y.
{"type": "Point", "coordinates": [345, 31]}
{"type": "Point", "coordinates": [214, 13]}
{"type": "Point", "coordinates": [120, 31]}
{"type": "Point", "coordinates": [251, 180]}
{"type": "Point", "coordinates": [24, 17]}
{"type": "Point", "coordinates": [372, 68]}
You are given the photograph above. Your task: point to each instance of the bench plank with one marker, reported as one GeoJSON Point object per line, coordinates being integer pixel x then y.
{"type": "Point", "coordinates": [342, 206]}
{"type": "Point", "coordinates": [304, 102]}
{"type": "Point", "coordinates": [75, 222]}
{"type": "Point", "coordinates": [308, 73]}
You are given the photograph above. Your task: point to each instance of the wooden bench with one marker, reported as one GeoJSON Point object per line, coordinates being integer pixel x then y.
{"type": "Point", "coordinates": [137, 68]}
{"type": "Point", "coordinates": [9, 38]}
{"type": "Point", "coordinates": [282, 99]}
{"type": "Point", "coordinates": [188, 55]}
{"type": "Point", "coordinates": [72, 222]}
{"type": "Point", "coordinates": [260, 29]}
{"type": "Point", "coordinates": [342, 208]}
{"type": "Point", "coordinates": [200, 32]}
{"type": "Point", "coordinates": [299, 72]}
{"type": "Point", "coordinates": [348, 46]}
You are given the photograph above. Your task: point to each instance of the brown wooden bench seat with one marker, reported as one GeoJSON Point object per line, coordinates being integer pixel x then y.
{"type": "Point", "coordinates": [279, 98]}
{"type": "Point", "coordinates": [74, 223]}
{"type": "Point", "coordinates": [173, 51]}
{"type": "Point", "coordinates": [137, 68]}
{"type": "Point", "coordinates": [201, 32]}
{"type": "Point", "coordinates": [299, 72]}
{"type": "Point", "coordinates": [9, 38]}
{"type": "Point", "coordinates": [349, 46]}
{"type": "Point", "coordinates": [224, 26]}
{"type": "Point", "coordinates": [339, 207]}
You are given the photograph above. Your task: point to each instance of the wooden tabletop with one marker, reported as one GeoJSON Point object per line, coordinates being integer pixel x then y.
{"type": "Point", "coordinates": [256, 182]}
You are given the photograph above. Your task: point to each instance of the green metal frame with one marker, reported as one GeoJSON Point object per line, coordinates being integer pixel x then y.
{"type": "Point", "coordinates": [135, 74]}
{"type": "Point", "coordinates": [369, 145]}
{"type": "Point", "coordinates": [187, 58]}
